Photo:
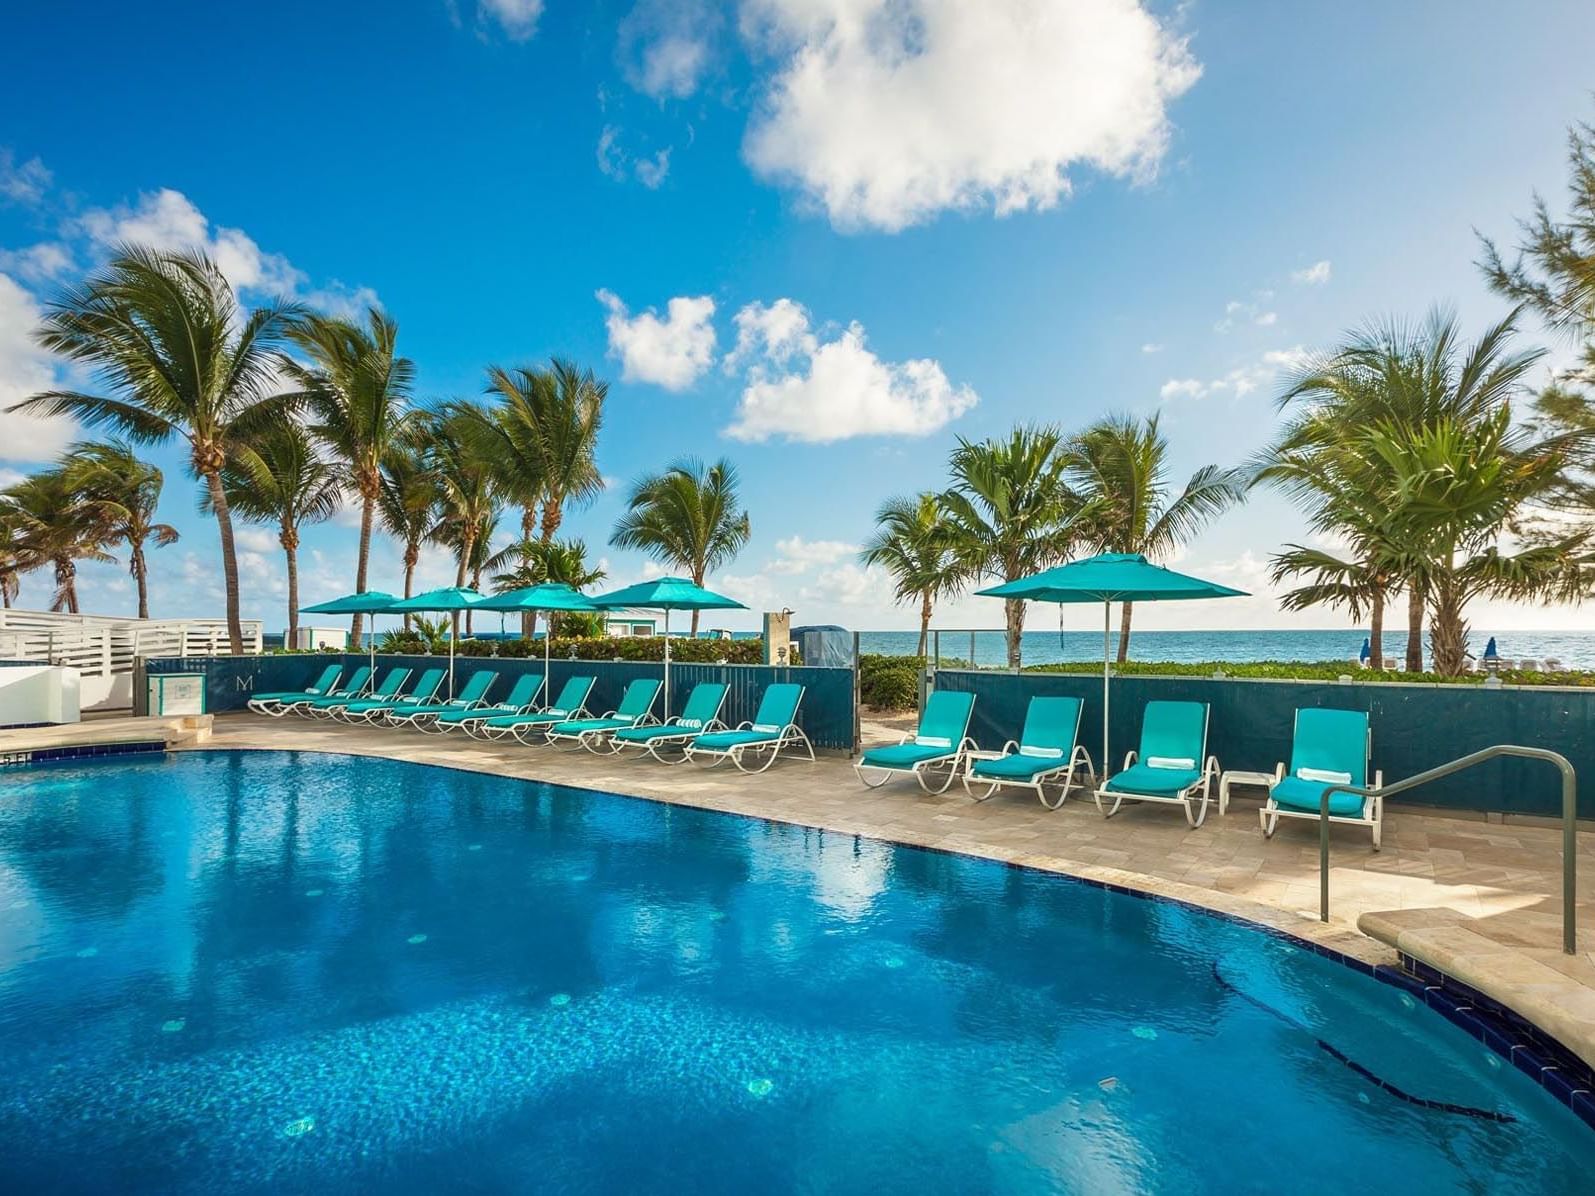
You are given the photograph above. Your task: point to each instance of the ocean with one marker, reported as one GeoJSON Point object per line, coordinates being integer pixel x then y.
{"type": "Point", "coordinates": [1575, 649]}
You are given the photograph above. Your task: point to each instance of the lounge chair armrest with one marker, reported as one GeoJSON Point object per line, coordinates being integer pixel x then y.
{"type": "Point", "coordinates": [1129, 759]}
{"type": "Point", "coordinates": [1279, 772]}
{"type": "Point", "coordinates": [1009, 748]}
{"type": "Point", "coordinates": [1378, 778]}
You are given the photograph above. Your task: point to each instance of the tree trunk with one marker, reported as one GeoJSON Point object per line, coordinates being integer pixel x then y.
{"type": "Point", "coordinates": [224, 525]}
{"type": "Point", "coordinates": [412, 557]}
{"type": "Point", "coordinates": [290, 546]}
{"type": "Point", "coordinates": [1376, 630]}
{"type": "Point", "coordinates": [1448, 631]}
{"type": "Point", "coordinates": [528, 526]}
{"type": "Point", "coordinates": [1013, 610]}
{"type": "Point", "coordinates": [368, 505]}
{"type": "Point", "coordinates": [66, 588]}
{"type": "Point", "coordinates": [1125, 609]}
{"type": "Point", "coordinates": [140, 577]}
{"type": "Point", "coordinates": [553, 516]}
{"type": "Point", "coordinates": [924, 626]}
{"type": "Point", "coordinates": [1415, 605]}
{"type": "Point", "coordinates": [697, 580]}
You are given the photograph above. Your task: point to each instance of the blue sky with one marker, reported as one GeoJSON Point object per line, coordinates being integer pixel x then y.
{"type": "Point", "coordinates": [878, 237]}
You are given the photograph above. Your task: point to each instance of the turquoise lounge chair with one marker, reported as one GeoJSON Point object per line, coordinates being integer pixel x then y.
{"type": "Point", "coordinates": [939, 744]}
{"type": "Point", "coordinates": [521, 699]}
{"type": "Point", "coordinates": [700, 714]}
{"type": "Point", "coordinates": [1173, 765]}
{"type": "Point", "coordinates": [391, 687]}
{"type": "Point", "coordinates": [276, 703]}
{"type": "Point", "coordinates": [635, 710]}
{"type": "Point", "coordinates": [375, 708]}
{"type": "Point", "coordinates": [570, 704]}
{"type": "Point", "coordinates": [1048, 750]}
{"type": "Point", "coordinates": [1328, 747]}
{"type": "Point", "coordinates": [773, 729]}
{"type": "Point", "coordinates": [472, 694]}
{"type": "Point", "coordinates": [358, 685]}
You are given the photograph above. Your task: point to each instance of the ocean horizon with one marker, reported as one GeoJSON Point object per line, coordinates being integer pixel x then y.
{"type": "Point", "coordinates": [1575, 649]}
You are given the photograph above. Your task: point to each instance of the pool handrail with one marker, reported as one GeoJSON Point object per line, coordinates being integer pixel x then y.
{"type": "Point", "coordinates": [1569, 822]}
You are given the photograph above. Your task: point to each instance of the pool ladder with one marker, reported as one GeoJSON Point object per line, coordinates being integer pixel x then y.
{"type": "Point", "coordinates": [1569, 822]}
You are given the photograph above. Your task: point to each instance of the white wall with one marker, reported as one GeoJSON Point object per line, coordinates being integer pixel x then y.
{"type": "Point", "coordinates": [38, 694]}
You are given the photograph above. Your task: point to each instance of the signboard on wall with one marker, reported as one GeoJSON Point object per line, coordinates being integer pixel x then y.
{"type": "Point", "coordinates": [176, 693]}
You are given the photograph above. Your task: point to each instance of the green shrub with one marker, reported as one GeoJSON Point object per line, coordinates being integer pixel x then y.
{"type": "Point", "coordinates": [889, 682]}
{"type": "Point", "coordinates": [637, 648]}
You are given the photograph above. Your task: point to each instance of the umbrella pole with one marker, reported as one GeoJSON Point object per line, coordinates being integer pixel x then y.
{"type": "Point", "coordinates": [1107, 612]}
{"type": "Point", "coordinates": [454, 634]}
{"type": "Point", "coordinates": [548, 648]}
{"type": "Point", "coordinates": [667, 664]}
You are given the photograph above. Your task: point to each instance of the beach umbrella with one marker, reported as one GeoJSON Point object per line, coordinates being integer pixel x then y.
{"type": "Point", "coordinates": [1490, 650]}
{"type": "Point", "coordinates": [372, 602]}
{"type": "Point", "coordinates": [452, 600]}
{"type": "Point", "coordinates": [1366, 654]}
{"type": "Point", "coordinates": [1109, 578]}
{"type": "Point", "coordinates": [551, 596]}
{"type": "Point", "coordinates": [666, 594]}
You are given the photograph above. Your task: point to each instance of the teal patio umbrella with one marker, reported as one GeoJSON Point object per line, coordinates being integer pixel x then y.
{"type": "Point", "coordinates": [372, 602]}
{"type": "Point", "coordinates": [551, 596]}
{"type": "Point", "coordinates": [451, 600]}
{"type": "Point", "coordinates": [1109, 578]}
{"type": "Point", "coordinates": [666, 594]}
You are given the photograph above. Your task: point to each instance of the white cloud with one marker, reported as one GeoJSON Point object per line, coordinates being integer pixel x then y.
{"type": "Point", "coordinates": [1237, 311]}
{"type": "Point", "coordinates": [22, 182]}
{"type": "Point", "coordinates": [665, 46]}
{"type": "Point", "coordinates": [673, 352]}
{"type": "Point", "coordinates": [797, 555]}
{"type": "Point", "coordinates": [38, 263]}
{"type": "Point", "coordinates": [256, 539]}
{"type": "Point", "coordinates": [620, 164]}
{"type": "Point", "coordinates": [1314, 275]}
{"type": "Point", "coordinates": [1151, 347]}
{"type": "Point", "coordinates": [888, 112]}
{"type": "Point", "coordinates": [518, 18]}
{"type": "Point", "coordinates": [25, 369]}
{"type": "Point", "coordinates": [1240, 381]}
{"type": "Point", "coordinates": [169, 220]}
{"type": "Point", "coordinates": [803, 388]}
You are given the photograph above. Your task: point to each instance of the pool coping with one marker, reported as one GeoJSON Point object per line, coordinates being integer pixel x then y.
{"type": "Point", "coordinates": [1510, 1034]}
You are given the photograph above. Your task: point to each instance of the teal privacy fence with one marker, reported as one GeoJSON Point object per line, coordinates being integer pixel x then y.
{"type": "Point", "coordinates": [826, 716]}
{"type": "Point", "coordinates": [1414, 727]}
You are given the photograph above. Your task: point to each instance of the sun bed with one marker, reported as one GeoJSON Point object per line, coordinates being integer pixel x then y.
{"type": "Point", "coordinates": [1328, 747]}
{"type": "Point", "coordinates": [701, 714]}
{"type": "Point", "coordinates": [635, 709]}
{"type": "Point", "coordinates": [1172, 766]}
{"type": "Point", "coordinates": [773, 729]}
{"type": "Point", "coordinates": [358, 686]}
{"type": "Point", "coordinates": [392, 686]}
{"type": "Point", "coordinates": [521, 699]}
{"type": "Point", "coordinates": [277, 703]}
{"type": "Point", "coordinates": [1048, 751]}
{"type": "Point", "coordinates": [571, 703]}
{"type": "Point", "coordinates": [375, 708]}
{"type": "Point", "coordinates": [472, 694]}
{"type": "Point", "coordinates": [937, 748]}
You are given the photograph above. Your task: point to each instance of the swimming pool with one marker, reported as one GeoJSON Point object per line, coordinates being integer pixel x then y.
{"type": "Point", "coordinates": [238, 971]}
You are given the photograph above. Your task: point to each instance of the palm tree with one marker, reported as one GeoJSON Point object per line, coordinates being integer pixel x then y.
{"type": "Point", "coordinates": [177, 357]}
{"type": "Point", "coordinates": [467, 487]}
{"type": "Point", "coordinates": [534, 562]}
{"type": "Point", "coordinates": [1412, 379]}
{"type": "Point", "coordinates": [280, 478]}
{"type": "Point", "coordinates": [408, 504]}
{"type": "Point", "coordinates": [53, 523]}
{"type": "Point", "coordinates": [914, 544]}
{"type": "Point", "coordinates": [689, 517]}
{"type": "Point", "coordinates": [126, 491]}
{"type": "Point", "coordinates": [1459, 488]}
{"type": "Point", "coordinates": [10, 560]}
{"type": "Point", "coordinates": [1119, 467]}
{"type": "Point", "coordinates": [1011, 511]}
{"type": "Point", "coordinates": [357, 389]}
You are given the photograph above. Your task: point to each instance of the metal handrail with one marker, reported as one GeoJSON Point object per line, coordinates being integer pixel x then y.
{"type": "Point", "coordinates": [1569, 822]}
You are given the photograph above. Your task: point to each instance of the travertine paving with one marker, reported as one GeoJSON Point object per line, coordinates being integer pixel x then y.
{"type": "Point", "coordinates": [1479, 900]}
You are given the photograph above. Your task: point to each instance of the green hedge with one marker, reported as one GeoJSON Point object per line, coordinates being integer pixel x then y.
{"type": "Point", "coordinates": [1304, 670]}
{"type": "Point", "coordinates": [637, 648]}
{"type": "Point", "coordinates": [889, 682]}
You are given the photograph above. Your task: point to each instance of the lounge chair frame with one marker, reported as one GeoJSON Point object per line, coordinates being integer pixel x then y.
{"type": "Point", "coordinates": [873, 775]}
{"type": "Point", "coordinates": [1186, 798]}
{"type": "Point", "coordinates": [685, 735]}
{"type": "Point", "coordinates": [1068, 764]}
{"type": "Point", "coordinates": [1373, 807]}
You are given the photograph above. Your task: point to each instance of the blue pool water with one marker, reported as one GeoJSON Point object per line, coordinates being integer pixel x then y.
{"type": "Point", "coordinates": [251, 972]}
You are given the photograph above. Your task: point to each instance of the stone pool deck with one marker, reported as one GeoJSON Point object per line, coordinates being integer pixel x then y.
{"type": "Point", "coordinates": [1477, 900]}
